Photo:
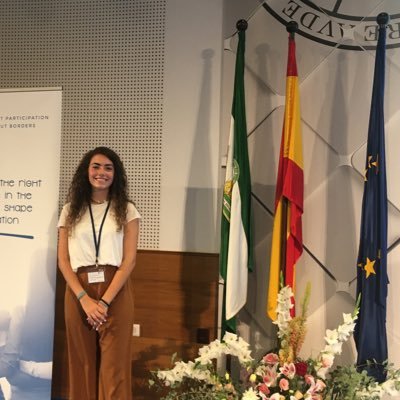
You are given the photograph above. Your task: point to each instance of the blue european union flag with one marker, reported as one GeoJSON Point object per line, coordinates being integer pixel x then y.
{"type": "Point", "coordinates": [372, 280]}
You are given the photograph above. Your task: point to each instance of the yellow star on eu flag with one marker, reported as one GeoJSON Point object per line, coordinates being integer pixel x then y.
{"type": "Point", "coordinates": [371, 164]}
{"type": "Point", "coordinates": [369, 267]}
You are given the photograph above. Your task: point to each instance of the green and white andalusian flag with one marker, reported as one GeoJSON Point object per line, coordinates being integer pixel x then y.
{"type": "Point", "coordinates": [236, 247]}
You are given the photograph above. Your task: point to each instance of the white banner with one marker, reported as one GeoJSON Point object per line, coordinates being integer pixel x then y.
{"type": "Point", "coordinates": [30, 131]}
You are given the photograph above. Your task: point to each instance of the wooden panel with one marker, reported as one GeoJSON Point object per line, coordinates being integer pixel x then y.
{"type": "Point", "coordinates": [190, 307]}
{"type": "Point", "coordinates": [175, 294]}
{"type": "Point", "coordinates": [177, 267]}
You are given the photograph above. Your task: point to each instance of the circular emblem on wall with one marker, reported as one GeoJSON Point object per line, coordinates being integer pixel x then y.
{"type": "Point", "coordinates": [334, 22]}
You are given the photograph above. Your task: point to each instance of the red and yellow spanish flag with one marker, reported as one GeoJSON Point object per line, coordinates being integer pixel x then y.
{"type": "Point", "coordinates": [287, 242]}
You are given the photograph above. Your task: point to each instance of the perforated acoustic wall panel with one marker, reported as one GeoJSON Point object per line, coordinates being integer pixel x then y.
{"type": "Point", "coordinates": [108, 56]}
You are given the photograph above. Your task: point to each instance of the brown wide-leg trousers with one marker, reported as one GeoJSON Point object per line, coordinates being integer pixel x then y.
{"type": "Point", "coordinates": [99, 361]}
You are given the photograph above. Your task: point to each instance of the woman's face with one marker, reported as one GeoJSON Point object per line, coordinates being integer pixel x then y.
{"type": "Point", "coordinates": [101, 173]}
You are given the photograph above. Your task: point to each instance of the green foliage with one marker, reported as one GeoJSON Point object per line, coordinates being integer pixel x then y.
{"type": "Point", "coordinates": [345, 381]}
{"type": "Point", "coordinates": [191, 389]}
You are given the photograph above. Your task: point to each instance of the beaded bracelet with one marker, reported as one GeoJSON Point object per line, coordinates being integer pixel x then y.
{"type": "Point", "coordinates": [81, 294]}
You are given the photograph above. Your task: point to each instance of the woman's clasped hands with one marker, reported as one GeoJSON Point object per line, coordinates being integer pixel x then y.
{"type": "Point", "coordinates": [96, 312]}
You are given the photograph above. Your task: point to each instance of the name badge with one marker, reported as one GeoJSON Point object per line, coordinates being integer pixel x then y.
{"type": "Point", "coordinates": [96, 277]}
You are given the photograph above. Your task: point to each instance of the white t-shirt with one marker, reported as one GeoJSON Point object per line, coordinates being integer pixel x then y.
{"type": "Point", "coordinates": [81, 247]}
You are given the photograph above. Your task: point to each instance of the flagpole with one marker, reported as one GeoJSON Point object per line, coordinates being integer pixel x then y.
{"type": "Point", "coordinates": [382, 19]}
{"type": "Point", "coordinates": [241, 25]}
{"type": "Point", "coordinates": [292, 27]}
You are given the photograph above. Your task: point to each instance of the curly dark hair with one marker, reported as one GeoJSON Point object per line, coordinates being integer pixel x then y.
{"type": "Point", "coordinates": [80, 190]}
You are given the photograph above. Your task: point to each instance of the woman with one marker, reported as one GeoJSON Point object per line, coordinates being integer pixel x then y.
{"type": "Point", "coordinates": [98, 233]}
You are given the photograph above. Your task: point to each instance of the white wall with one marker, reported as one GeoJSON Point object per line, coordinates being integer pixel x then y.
{"type": "Point", "coordinates": [191, 134]}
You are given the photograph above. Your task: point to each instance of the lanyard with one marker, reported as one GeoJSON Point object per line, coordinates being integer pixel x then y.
{"type": "Point", "coordinates": [95, 239]}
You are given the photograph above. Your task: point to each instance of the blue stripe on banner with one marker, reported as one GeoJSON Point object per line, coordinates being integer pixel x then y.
{"type": "Point", "coordinates": [15, 235]}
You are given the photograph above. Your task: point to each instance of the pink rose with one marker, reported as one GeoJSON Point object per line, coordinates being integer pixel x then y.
{"type": "Point", "coordinates": [263, 388]}
{"type": "Point", "coordinates": [271, 358]}
{"type": "Point", "coordinates": [284, 384]}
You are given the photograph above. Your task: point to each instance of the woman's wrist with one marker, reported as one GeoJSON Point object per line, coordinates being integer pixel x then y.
{"type": "Point", "coordinates": [81, 294]}
{"type": "Point", "coordinates": [104, 303]}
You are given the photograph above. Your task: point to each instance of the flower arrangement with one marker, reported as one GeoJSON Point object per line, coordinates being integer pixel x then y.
{"type": "Point", "coordinates": [280, 375]}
